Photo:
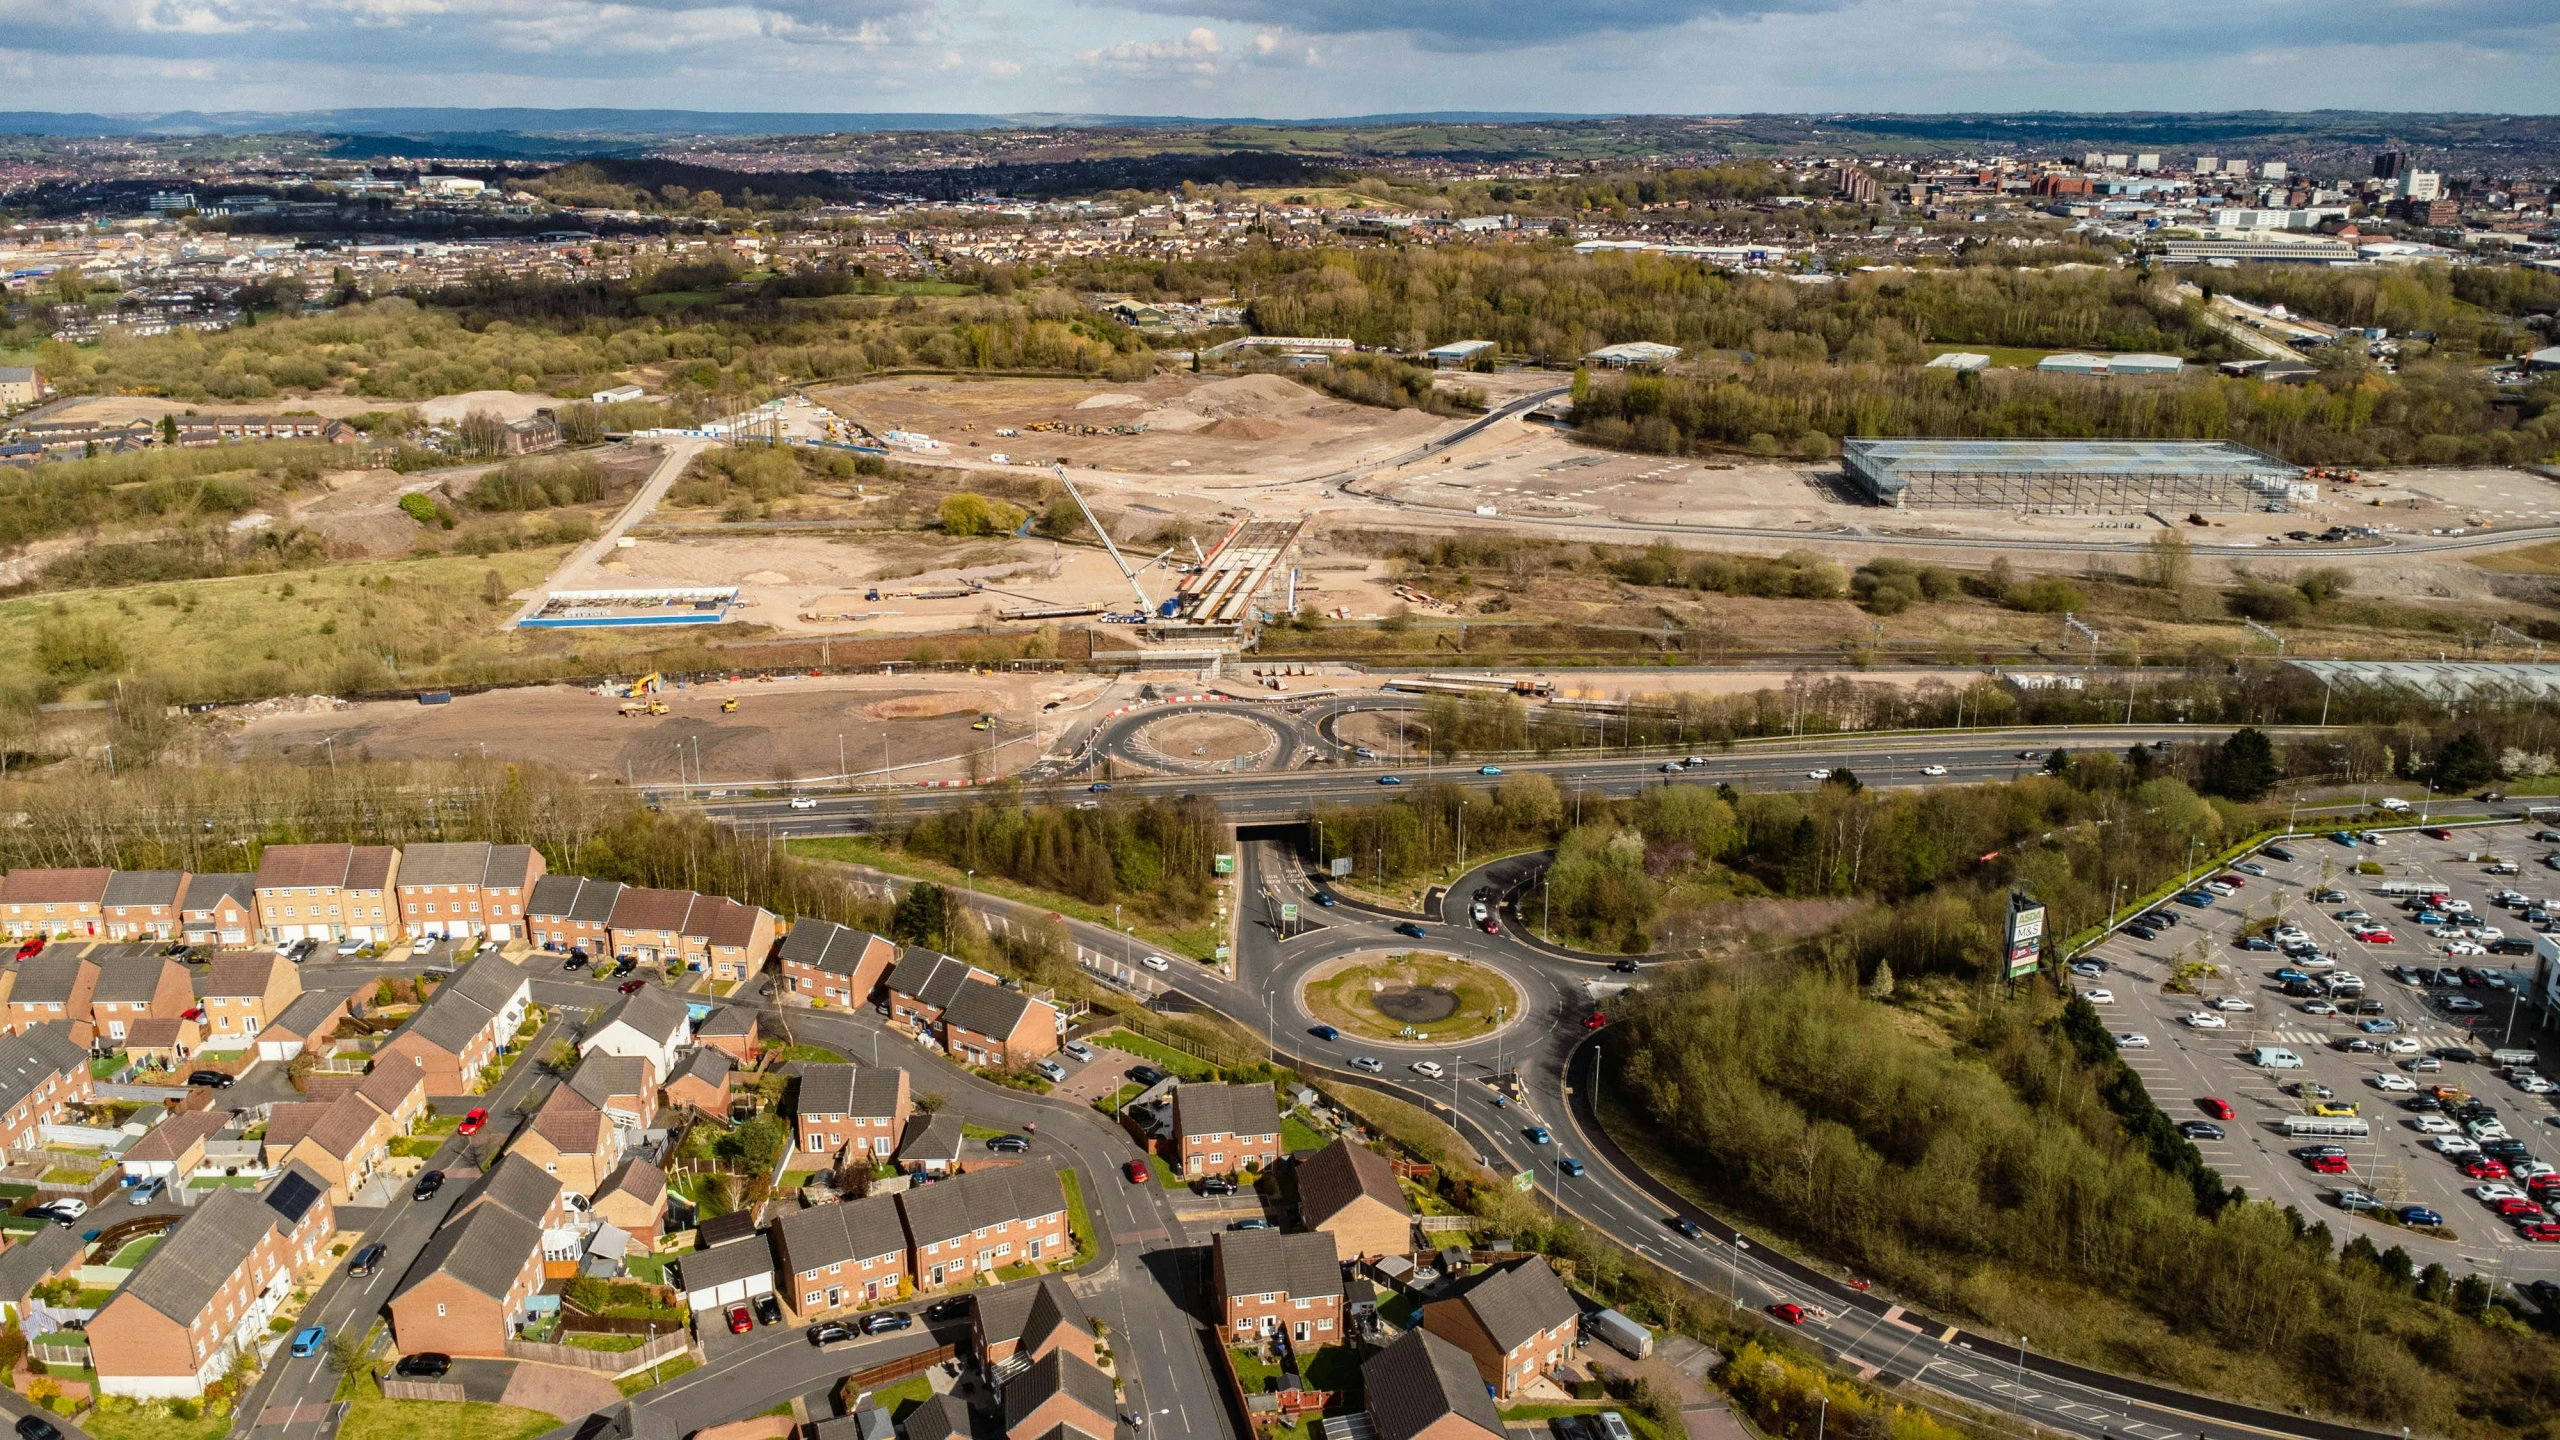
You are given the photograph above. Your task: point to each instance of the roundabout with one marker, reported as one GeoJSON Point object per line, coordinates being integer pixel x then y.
{"type": "Point", "coordinates": [1411, 997]}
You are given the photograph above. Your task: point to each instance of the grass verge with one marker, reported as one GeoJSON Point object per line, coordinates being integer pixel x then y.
{"type": "Point", "coordinates": [370, 1417]}
{"type": "Point", "coordinates": [672, 1367]}
{"type": "Point", "coordinates": [1198, 941]}
{"type": "Point", "coordinates": [1079, 1220]}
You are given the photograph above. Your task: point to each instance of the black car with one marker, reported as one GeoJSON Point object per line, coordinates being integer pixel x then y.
{"type": "Point", "coordinates": [828, 1332]}
{"type": "Point", "coordinates": [573, 963]}
{"type": "Point", "coordinates": [1625, 967]}
{"type": "Point", "coordinates": [886, 1321]}
{"type": "Point", "coordinates": [365, 1259]}
{"type": "Point", "coordinates": [625, 966]}
{"type": "Point", "coordinates": [425, 1365]}
{"type": "Point", "coordinates": [2426, 1103]}
{"type": "Point", "coordinates": [429, 1182]}
{"type": "Point", "coordinates": [1214, 1185]}
{"type": "Point", "coordinates": [2142, 932]}
{"type": "Point", "coordinates": [36, 1427]}
{"type": "Point", "coordinates": [1146, 1074]}
{"type": "Point", "coordinates": [211, 1079]}
{"type": "Point", "coordinates": [2274, 852]}
{"type": "Point", "coordinates": [768, 1309]}
{"type": "Point", "coordinates": [1688, 1227]}
{"type": "Point", "coordinates": [2511, 945]}
{"type": "Point", "coordinates": [1008, 1144]}
{"type": "Point", "coordinates": [950, 1309]}
{"type": "Point", "coordinates": [2199, 1129]}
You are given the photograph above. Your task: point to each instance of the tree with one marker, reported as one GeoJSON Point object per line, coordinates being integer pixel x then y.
{"type": "Point", "coordinates": [1881, 986]}
{"type": "Point", "coordinates": [2168, 560]}
{"type": "Point", "coordinates": [2464, 763]}
{"type": "Point", "coordinates": [761, 1142]}
{"type": "Point", "coordinates": [923, 916]}
{"type": "Point", "coordinates": [1846, 778]}
{"type": "Point", "coordinates": [2242, 767]}
{"type": "Point", "coordinates": [967, 514]}
{"type": "Point", "coordinates": [347, 1351]}
{"type": "Point", "coordinates": [2058, 763]}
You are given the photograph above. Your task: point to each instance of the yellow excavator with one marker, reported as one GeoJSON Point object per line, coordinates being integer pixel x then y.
{"type": "Point", "coordinates": [729, 705]}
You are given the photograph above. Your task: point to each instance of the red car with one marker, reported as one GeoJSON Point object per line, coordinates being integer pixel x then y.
{"type": "Point", "coordinates": [2541, 1230]}
{"type": "Point", "coordinates": [2219, 1109]}
{"type": "Point", "coordinates": [2234, 881]}
{"type": "Point", "coordinates": [2519, 1209]}
{"type": "Point", "coordinates": [2481, 1167]}
{"type": "Point", "coordinates": [31, 947]}
{"type": "Point", "coordinates": [196, 1014]}
{"type": "Point", "coordinates": [2437, 832]}
{"type": "Point", "coordinates": [1792, 1314]}
{"type": "Point", "coordinates": [1594, 1020]}
{"type": "Point", "coordinates": [2376, 935]}
{"type": "Point", "coordinates": [1492, 926]}
{"type": "Point", "coordinates": [1136, 1170]}
{"type": "Point", "coordinates": [631, 987]}
{"type": "Point", "coordinates": [2331, 1164]}
{"type": "Point", "coordinates": [472, 1122]}
{"type": "Point", "coordinates": [2548, 1180]}
{"type": "Point", "coordinates": [740, 1322]}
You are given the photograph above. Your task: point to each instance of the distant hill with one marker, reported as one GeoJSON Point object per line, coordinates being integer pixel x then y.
{"type": "Point", "coordinates": [634, 124]}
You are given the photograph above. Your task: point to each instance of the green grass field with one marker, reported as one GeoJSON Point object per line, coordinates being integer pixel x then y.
{"type": "Point", "coordinates": [1195, 941]}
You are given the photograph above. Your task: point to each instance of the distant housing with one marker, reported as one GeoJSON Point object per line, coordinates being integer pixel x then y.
{"type": "Point", "coordinates": [586, 609]}
{"type": "Point", "coordinates": [1633, 352]}
{"type": "Point", "coordinates": [2257, 252]}
{"type": "Point", "coordinates": [2101, 477]}
{"type": "Point", "coordinates": [617, 395]}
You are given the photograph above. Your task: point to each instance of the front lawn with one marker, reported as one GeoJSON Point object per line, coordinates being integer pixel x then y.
{"type": "Point", "coordinates": [1163, 1057]}
{"type": "Point", "coordinates": [370, 1417]}
{"type": "Point", "coordinates": [1165, 1174]}
{"type": "Point", "coordinates": [673, 1366]}
{"type": "Point", "coordinates": [609, 1344]}
{"type": "Point", "coordinates": [119, 1419]}
{"type": "Point", "coordinates": [1297, 1135]}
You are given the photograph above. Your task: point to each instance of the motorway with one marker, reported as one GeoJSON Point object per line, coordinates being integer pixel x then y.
{"type": "Point", "coordinates": [1262, 797]}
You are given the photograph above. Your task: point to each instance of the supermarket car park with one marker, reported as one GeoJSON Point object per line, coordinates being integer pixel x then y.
{"type": "Point", "coordinates": [2246, 1054]}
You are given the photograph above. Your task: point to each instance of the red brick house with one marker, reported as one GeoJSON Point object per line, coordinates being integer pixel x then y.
{"type": "Point", "coordinates": [833, 1256]}
{"type": "Point", "coordinates": [973, 1224]}
{"type": "Point", "coordinates": [1270, 1283]}
{"type": "Point", "coordinates": [833, 965]}
{"type": "Point", "coordinates": [219, 910]}
{"type": "Point", "coordinates": [1516, 1321]}
{"type": "Point", "coordinates": [144, 904]}
{"type": "Point", "coordinates": [1220, 1129]}
{"type": "Point", "coordinates": [53, 902]}
{"type": "Point", "coordinates": [571, 912]}
{"type": "Point", "coordinates": [327, 892]}
{"type": "Point", "coordinates": [206, 1294]}
{"type": "Point", "coordinates": [467, 888]}
{"type": "Point", "coordinates": [43, 1073]}
{"type": "Point", "coordinates": [850, 1110]}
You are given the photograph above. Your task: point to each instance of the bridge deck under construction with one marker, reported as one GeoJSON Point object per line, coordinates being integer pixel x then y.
{"type": "Point", "coordinates": [1238, 569]}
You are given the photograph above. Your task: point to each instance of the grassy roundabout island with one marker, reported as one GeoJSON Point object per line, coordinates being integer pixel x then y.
{"type": "Point", "coordinates": [1411, 995]}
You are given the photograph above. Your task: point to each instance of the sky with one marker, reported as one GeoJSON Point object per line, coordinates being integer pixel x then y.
{"type": "Point", "coordinates": [1282, 58]}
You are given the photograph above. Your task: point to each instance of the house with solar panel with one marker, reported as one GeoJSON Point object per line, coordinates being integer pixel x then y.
{"type": "Point", "coordinates": [207, 1292]}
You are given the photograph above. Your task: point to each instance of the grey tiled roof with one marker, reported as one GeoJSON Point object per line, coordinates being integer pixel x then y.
{"type": "Point", "coordinates": [704, 1064]}
{"type": "Point", "coordinates": [834, 1234]}
{"type": "Point", "coordinates": [486, 1250]}
{"type": "Point", "coordinates": [652, 1010]}
{"type": "Point", "coordinates": [930, 1137]}
{"type": "Point", "coordinates": [129, 977]}
{"type": "Point", "coordinates": [987, 1009]}
{"type": "Point", "coordinates": [517, 1184]}
{"type": "Point", "coordinates": [942, 1417]}
{"type": "Point", "coordinates": [180, 1278]}
{"type": "Point", "coordinates": [826, 1090]}
{"type": "Point", "coordinates": [1268, 1262]}
{"type": "Point", "coordinates": [1029, 1314]}
{"type": "Point", "coordinates": [49, 977]}
{"type": "Point", "coordinates": [954, 1207]}
{"type": "Point", "coordinates": [206, 891]}
{"type": "Point", "coordinates": [28, 1058]}
{"type": "Point", "coordinates": [144, 887]}
{"type": "Point", "coordinates": [1421, 1378]}
{"type": "Point", "coordinates": [573, 897]}
{"type": "Point", "coordinates": [306, 1012]}
{"type": "Point", "coordinates": [454, 862]}
{"type": "Point", "coordinates": [601, 1077]}
{"type": "Point", "coordinates": [1516, 1301]}
{"type": "Point", "coordinates": [928, 976]}
{"type": "Point", "coordinates": [724, 1263]}
{"type": "Point", "coordinates": [825, 945]}
{"type": "Point", "coordinates": [1205, 1108]}
{"type": "Point", "coordinates": [1058, 1372]}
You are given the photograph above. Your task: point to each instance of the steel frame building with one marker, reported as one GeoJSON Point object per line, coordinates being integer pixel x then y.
{"type": "Point", "coordinates": [2066, 477]}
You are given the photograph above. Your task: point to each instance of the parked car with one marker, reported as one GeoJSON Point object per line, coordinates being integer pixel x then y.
{"type": "Point", "coordinates": [1146, 1074]}
{"type": "Point", "coordinates": [472, 1122]}
{"type": "Point", "coordinates": [740, 1322]}
{"type": "Point", "coordinates": [362, 1262]}
{"type": "Point", "coordinates": [2419, 1215]}
{"type": "Point", "coordinates": [1008, 1144]}
{"type": "Point", "coordinates": [768, 1309]}
{"type": "Point", "coordinates": [1078, 1049]}
{"type": "Point", "coordinates": [308, 1340]}
{"type": "Point", "coordinates": [828, 1332]}
{"type": "Point", "coordinates": [1215, 1185]}
{"type": "Point", "coordinates": [145, 1191]}
{"type": "Point", "coordinates": [885, 1321]}
{"type": "Point", "coordinates": [425, 1365]}
{"type": "Point", "coordinates": [210, 1079]}
{"type": "Point", "coordinates": [2218, 1108]}
{"type": "Point", "coordinates": [429, 1182]}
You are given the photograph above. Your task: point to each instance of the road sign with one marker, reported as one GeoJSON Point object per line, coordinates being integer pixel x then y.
{"type": "Point", "coordinates": [1224, 951]}
{"type": "Point", "coordinates": [1225, 865]}
{"type": "Point", "coordinates": [1525, 1181]}
{"type": "Point", "coordinates": [1288, 914]}
{"type": "Point", "coordinates": [1342, 867]}
{"type": "Point", "coordinates": [2026, 935]}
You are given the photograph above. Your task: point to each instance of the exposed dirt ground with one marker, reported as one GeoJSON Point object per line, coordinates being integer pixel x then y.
{"type": "Point", "coordinates": [1259, 427]}
{"type": "Point", "coordinates": [781, 729]}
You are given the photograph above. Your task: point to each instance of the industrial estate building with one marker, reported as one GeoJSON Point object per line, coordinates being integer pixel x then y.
{"type": "Point", "coordinates": [2102, 477]}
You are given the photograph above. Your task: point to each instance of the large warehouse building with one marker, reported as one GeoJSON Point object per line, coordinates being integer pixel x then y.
{"type": "Point", "coordinates": [2065, 477]}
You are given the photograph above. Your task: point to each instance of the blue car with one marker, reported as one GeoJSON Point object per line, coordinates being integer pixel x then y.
{"type": "Point", "coordinates": [1488, 769]}
{"type": "Point", "coordinates": [2380, 1027]}
{"type": "Point", "coordinates": [1538, 1135]}
{"type": "Point", "coordinates": [2290, 976]}
{"type": "Point", "coordinates": [1413, 931]}
{"type": "Point", "coordinates": [307, 1341]}
{"type": "Point", "coordinates": [1569, 1166]}
{"type": "Point", "coordinates": [2419, 1215]}
{"type": "Point", "coordinates": [1325, 899]}
{"type": "Point", "coordinates": [1325, 1032]}
{"type": "Point", "coordinates": [1390, 779]}
{"type": "Point", "coordinates": [1099, 787]}
{"type": "Point", "coordinates": [2197, 898]}
{"type": "Point", "coordinates": [2343, 838]}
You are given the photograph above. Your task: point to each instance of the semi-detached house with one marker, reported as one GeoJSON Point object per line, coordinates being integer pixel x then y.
{"type": "Point", "coordinates": [465, 1024]}
{"type": "Point", "coordinates": [476, 1279]}
{"type": "Point", "coordinates": [976, 1019]}
{"type": "Point", "coordinates": [327, 892]}
{"type": "Point", "coordinates": [42, 1075]}
{"type": "Point", "coordinates": [53, 902]}
{"type": "Point", "coordinates": [832, 1256]}
{"type": "Point", "coordinates": [851, 1110]}
{"type": "Point", "coordinates": [1220, 1129]}
{"type": "Point", "coordinates": [1349, 1192]}
{"type": "Point", "coordinates": [208, 1290]}
{"type": "Point", "coordinates": [243, 994]}
{"type": "Point", "coordinates": [219, 909]}
{"type": "Point", "coordinates": [836, 966]}
{"type": "Point", "coordinates": [974, 1224]}
{"type": "Point", "coordinates": [144, 904]}
{"type": "Point", "coordinates": [571, 912]}
{"type": "Point", "coordinates": [1516, 1321]}
{"type": "Point", "coordinates": [136, 983]}
{"type": "Point", "coordinates": [1270, 1283]}
{"type": "Point", "coordinates": [467, 888]}
{"type": "Point", "coordinates": [56, 985]}
{"type": "Point", "coordinates": [704, 932]}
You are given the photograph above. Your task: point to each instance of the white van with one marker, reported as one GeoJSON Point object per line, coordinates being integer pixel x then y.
{"type": "Point", "coordinates": [2514, 1059]}
{"type": "Point", "coordinates": [2274, 1057]}
{"type": "Point", "coordinates": [2394, 804]}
